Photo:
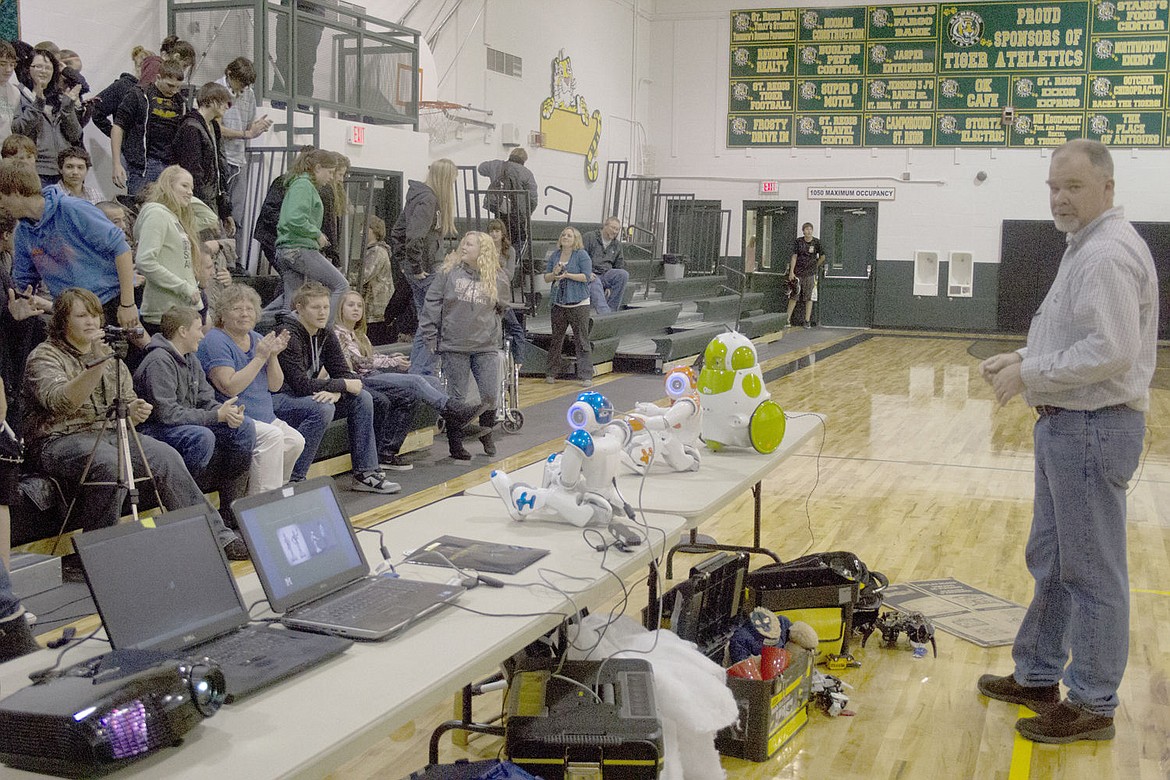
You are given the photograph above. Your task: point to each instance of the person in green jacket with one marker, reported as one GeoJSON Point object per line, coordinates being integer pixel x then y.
{"type": "Point", "coordinates": [299, 238]}
{"type": "Point", "coordinates": [170, 254]}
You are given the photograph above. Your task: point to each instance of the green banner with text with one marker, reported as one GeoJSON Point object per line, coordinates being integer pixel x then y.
{"type": "Point", "coordinates": [942, 74]}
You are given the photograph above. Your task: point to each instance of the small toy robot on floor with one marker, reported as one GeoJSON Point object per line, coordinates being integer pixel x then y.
{"type": "Point", "coordinates": [579, 485]}
{"type": "Point", "coordinates": [917, 627]}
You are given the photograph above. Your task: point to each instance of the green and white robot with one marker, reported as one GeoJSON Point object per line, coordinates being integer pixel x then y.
{"type": "Point", "coordinates": [738, 410]}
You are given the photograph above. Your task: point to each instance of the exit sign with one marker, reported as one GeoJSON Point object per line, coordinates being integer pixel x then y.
{"type": "Point", "coordinates": [769, 187]}
{"type": "Point", "coordinates": [357, 134]}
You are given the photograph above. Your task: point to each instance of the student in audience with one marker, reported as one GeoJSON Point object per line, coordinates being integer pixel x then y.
{"type": "Point", "coordinates": [198, 148]}
{"type": "Point", "coordinates": [608, 283]}
{"type": "Point", "coordinates": [241, 364]}
{"type": "Point", "coordinates": [239, 125]}
{"type": "Point", "coordinates": [170, 254]}
{"type": "Point", "coordinates": [20, 322]}
{"type": "Point", "coordinates": [315, 369]}
{"type": "Point", "coordinates": [335, 205]}
{"type": "Point", "coordinates": [48, 115]}
{"type": "Point", "coordinates": [217, 442]}
{"type": "Point", "coordinates": [70, 382]}
{"type": "Point", "coordinates": [299, 235]}
{"type": "Point", "coordinates": [16, 637]}
{"type": "Point", "coordinates": [461, 322]}
{"type": "Point", "coordinates": [74, 165]}
{"type": "Point", "coordinates": [172, 51]}
{"type": "Point", "coordinates": [103, 106]}
{"type": "Point", "coordinates": [9, 92]}
{"type": "Point", "coordinates": [569, 269]}
{"type": "Point", "coordinates": [20, 148]}
{"type": "Point", "coordinates": [376, 277]}
{"type": "Point", "coordinates": [512, 327]}
{"type": "Point", "coordinates": [382, 373]}
{"type": "Point", "coordinates": [67, 242]}
{"type": "Point", "coordinates": [427, 215]}
{"type": "Point", "coordinates": [144, 129]}
{"type": "Point", "coordinates": [518, 202]}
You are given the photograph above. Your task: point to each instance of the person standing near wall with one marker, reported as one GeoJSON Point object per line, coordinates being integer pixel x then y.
{"type": "Point", "coordinates": [427, 215]}
{"type": "Point", "coordinates": [517, 201]}
{"type": "Point", "coordinates": [807, 256]}
{"type": "Point", "coordinates": [1086, 369]}
{"type": "Point", "coordinates": [239, 125]}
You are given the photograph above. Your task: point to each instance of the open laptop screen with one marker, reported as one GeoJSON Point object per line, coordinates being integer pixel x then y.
{"type": "Point", "coordinates": [301, 542]}
{"type": "Point", "coordinates": [161, 584]}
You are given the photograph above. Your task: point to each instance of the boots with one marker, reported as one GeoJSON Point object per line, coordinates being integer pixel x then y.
{"type": "Point", "coordinates": [455, 443]}
{"type": "Point", "coordinates": [488, 420]}
{"type": "Point", "coordinates": [16, 638]}
{"type": "Point", "coordinates": [458, 417]}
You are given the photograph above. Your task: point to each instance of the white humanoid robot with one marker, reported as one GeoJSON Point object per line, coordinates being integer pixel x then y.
{"type": "Point", "coordinates": [668, 435]}
{"type": "Point", "coordinates": [579, 484]}
{"type": "Point", "coordinates": [737, 407]}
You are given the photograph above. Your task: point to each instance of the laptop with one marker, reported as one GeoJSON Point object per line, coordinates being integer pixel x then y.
{"type": "Point", "coordinates": [165, 584]}
{"type": "Point", "coordinates": [314, 572]}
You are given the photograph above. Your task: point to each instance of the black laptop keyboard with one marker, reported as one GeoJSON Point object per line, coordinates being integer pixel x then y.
{"type": "Point", "coordinates": [242, 647]}
{"type": "Point", "coordinates": [373, 603]}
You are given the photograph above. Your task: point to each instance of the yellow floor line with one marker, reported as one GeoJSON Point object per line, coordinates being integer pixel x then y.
{"type": "Point", "coordinates": [1146, 590]}
{"type": "Point", "coordinates": [1021, 766]}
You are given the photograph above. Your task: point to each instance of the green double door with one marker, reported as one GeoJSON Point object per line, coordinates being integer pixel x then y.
{"type": "Point", "coordinates": [845, 288]}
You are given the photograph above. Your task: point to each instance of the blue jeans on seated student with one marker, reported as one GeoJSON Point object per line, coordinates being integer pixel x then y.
{"type": "Point", "coordinates": [427, 389]}
{"type": "Point", "coordinates": [1077, 626]}
{"type": "Point", "coordinates": [300, 265]}
{"type": "Point", "coordinates": [310, 419]}
{"type": "Point", "coordinates": [393, 413]}
{"type": "Point", "coordinates": [198, 443]}
{"type": "Point", "coordinates": [99, 506]}
{"type": "Point", "coordinates": [607, 288]}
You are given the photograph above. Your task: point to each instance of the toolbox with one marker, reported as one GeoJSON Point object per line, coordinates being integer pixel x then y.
{"type": "Point", "coordinates": [771, 712]}
{"type": "Point", "coordinates": [584, 720]}
{"type": "Point", "coordinates": [816, 595]}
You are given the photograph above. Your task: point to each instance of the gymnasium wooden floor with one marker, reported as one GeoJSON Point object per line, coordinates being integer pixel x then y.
{"type": "Point", "coordinates": [923, 476]}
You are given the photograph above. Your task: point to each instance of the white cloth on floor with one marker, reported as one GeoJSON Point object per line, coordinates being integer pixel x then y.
{"type": "Point", "coordinates": [690, 691]}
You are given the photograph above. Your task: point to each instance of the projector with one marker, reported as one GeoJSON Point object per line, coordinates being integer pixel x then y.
{"type": "Point", "coordinates": [103, 713]}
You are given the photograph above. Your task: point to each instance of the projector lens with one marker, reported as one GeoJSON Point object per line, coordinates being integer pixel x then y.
{"type": "Point", "coordinates": [207, 688]}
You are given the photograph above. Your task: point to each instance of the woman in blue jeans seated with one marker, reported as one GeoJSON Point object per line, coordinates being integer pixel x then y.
{"type": "Point", "coordinates": [15, 636]}
{"type": "Point", "coordinates": [318, 385]}
{"type": "Point", "coordinates": [384, 374]}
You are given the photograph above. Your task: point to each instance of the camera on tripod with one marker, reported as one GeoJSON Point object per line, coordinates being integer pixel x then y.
{"type": "Point", "coordinates": [119, 338]}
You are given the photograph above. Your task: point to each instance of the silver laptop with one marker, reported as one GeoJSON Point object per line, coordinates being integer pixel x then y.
{"type": "Point", "coordinates": [314, 572]}
{"type": "Point", "coordinates": [164, 584]}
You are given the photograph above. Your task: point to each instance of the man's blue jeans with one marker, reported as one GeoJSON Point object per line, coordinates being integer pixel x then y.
{"type": "Point", "coordinates": [422, 360]}
{"type": "Point", "coordinates": [310, 419]}
{"type": "Point", "coordinates": [1077, 625]}
{"type": "Point", "coordinates": [607, 288]}
{"type": "Point", "coordinates": [197, 443]}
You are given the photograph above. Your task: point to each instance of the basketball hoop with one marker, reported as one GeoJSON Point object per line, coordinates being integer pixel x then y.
{"type": "Point", "coordinates": [435, 117]}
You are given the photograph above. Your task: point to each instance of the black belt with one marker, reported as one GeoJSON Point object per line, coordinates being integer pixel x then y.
{"type": "Point", "coordinates": [1045, 411]}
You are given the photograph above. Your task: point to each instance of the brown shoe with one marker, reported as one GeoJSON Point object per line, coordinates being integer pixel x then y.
{"type": "Point", "coordinates": [1065, 723]}
{"type": "Point", "coordinates": [1039, 698]}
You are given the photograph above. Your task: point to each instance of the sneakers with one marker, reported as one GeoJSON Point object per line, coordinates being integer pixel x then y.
{"type": "Point", "coordinates": [1040, 698]}
{"type": "Point", "coordinates": [550, 380]}
{"type": "Point", "coordinates": [394, 462]}
{"type": "Point", "coordinates": [586, 383]}
{"type": "Point", "coordinates": [1065, 723]}
{"type": "Point", "coordinates": [808, 326]}
{"type": "Point", "coordinates": [236, 550]}
{"type": "Point", "coordinates": [374, 482]}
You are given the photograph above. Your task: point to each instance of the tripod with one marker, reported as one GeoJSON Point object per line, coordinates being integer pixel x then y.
{"type": "Point", "coordinates": [118, 416]}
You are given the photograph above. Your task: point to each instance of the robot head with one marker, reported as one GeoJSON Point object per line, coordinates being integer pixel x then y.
{"type": "Point", "coordinates": [731, 351]}
{"type": "Point", "coordinates": [680, 381]}
{"type": "Point", "coordinates": [590, 411]}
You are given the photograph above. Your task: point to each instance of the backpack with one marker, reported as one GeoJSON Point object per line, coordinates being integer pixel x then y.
{"type": "Point", "coordinates": [502, 192]}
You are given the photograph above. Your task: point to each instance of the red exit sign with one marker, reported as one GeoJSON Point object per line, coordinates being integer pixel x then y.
{"type": "Point", "coordinates": [769, 187]}
{"type": "Point", "coordinates": [357, 134]}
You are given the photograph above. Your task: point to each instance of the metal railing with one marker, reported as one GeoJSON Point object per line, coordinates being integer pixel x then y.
{"type": "Point", "coordinates": [568, 212]}
{"type": "Point", "coordinates": [370, 70]}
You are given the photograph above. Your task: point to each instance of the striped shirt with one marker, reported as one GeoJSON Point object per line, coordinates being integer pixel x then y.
{"type": "Point", "coordinates": [1092, 343]}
